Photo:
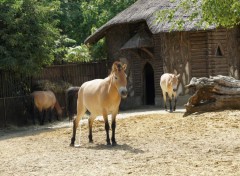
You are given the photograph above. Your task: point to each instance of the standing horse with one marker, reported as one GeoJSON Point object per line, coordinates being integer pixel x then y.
{"type": "Point", "coordinates": [71, 101]}
{"type": "Point", "coordinates": [168, 84]}
{"type": "Point", "coordinates": [43, 101]}
{"type": "Point", "coordinates": [102, 97]}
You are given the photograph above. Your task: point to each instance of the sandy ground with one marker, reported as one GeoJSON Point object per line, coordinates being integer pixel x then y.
{"type": "Point", "coordinates": [149, 143]}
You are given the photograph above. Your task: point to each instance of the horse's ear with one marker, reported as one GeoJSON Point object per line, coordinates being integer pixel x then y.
{"type": "Point", "coordinates": [124, 66]}
{"type": "Point", "coordinates": [178, 76]}
{"type": "Point", "coordinates": [115, 67]}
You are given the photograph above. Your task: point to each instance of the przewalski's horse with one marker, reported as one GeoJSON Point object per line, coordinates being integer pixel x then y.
{"type": "Point", "coordinates": [102, 97]}
{"type": "Point", "coordinates": [169, 84]}
{"type": "Point", "coordinates": [71, 101]}
{"type": "Point", "coordinates": [44, 101]}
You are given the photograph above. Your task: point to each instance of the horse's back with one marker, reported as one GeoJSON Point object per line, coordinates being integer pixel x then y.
{"type": "Point", "coordinates": [93, 88]}
{"type": "Point", "coordinates": [96, 98]}
{"type": "Point", "coordinates": [164, 80]}
{"type": "Point", "coordinates": [44, 99]}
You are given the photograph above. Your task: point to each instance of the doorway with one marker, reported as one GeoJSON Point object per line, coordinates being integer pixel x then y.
{"type": "Point", "coordinates": [149, 88]}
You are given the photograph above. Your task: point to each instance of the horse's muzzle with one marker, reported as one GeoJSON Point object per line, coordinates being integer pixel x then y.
{"type": "Point", "coordinates": [174, 90]}
{"type": "Point", "coordinates": [123, 92]}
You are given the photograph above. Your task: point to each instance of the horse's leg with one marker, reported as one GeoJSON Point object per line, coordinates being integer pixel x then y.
{"type": "Point", "coordinates": [107, 127]}
{"type": "Point", "coordinates": [90, 123]}
{"type": "Point", "coordinates": [34, 114]}
{"type": "Point", "coordinates": [41, 113]}
{"type": "Point", "coordinates": [170, 102]}
{"type": "Point", "coordinates": [80, 112]}
{"type": "Point", "coordinates": [175, 101]}
{"type": "Point", "coordinates": [50, 113]}
{"type": "Point", "coordinates": [165, 99]}
{"type": "Point", "coordinates": [114, 143]}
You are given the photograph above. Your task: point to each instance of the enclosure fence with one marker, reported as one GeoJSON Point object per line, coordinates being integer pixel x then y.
{"type": "Point", "coordinates": [15, 89]}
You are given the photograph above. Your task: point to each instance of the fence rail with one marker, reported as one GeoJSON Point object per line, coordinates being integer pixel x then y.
{"type": "Point", "coordinates": [15, 89]}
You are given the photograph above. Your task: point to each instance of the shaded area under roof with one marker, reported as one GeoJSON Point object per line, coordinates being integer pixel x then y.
{"type": "Point", "coordinates": [139, 40]}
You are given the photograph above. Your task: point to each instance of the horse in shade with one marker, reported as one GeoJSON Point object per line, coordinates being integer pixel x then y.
{"type": "Point", "coordinates": [71, 101]}
{"type": "Point", "coordinates": [45, 101]}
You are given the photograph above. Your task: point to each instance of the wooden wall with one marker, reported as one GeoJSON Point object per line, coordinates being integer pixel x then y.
{"type": "Point", "coordinates": [199, 54]}
{"type": "Point", "coordinates": [136, 60]}
{"type": "Point", "coordinates": [218, 65]}
{"type": "Point", "coordinates": [175, 51]}
{"type": "Point", "coordinates": [189, 53]}
{"type": "Point", "coordinates": [194, 54]}
{"type": "Point", "coordinates": [233, 55]}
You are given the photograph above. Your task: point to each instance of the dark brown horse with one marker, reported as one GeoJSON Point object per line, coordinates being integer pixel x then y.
{"type": "Point", "coordinates": [102, 97]}
{"type": "Point", "coordinates": [45, 101]}
{"type": "Point", "coordinates": [71, 96]}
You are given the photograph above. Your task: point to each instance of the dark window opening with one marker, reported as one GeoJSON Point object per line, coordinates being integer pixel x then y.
{"type": "Point", "coordinates": [219, 52]}
{"type": "Point", "coordinates": [149, 94]}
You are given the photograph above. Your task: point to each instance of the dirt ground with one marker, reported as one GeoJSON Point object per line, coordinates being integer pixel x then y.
{"type": "Point", "coordinates": [150, 144]}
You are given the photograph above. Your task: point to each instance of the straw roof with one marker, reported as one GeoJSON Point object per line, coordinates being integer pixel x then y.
{"type": "Point", "coordinates": [142, 11]}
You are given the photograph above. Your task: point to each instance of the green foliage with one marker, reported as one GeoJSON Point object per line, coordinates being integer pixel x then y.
{"type": "Point", "coordinates": [98, 50]}
{"type": "Point", "coordinates": [27, 34]}
{"type": "Point", "coordinates": [36, 33]}
{"type": "Point", "coordinates": [80, 18]}
{"type": "Point", "coordinates": [221, 13]}
{"type": "Point", "coordinates": [61, 48]}
{"type": "Point", "coordinates": [78, 54]}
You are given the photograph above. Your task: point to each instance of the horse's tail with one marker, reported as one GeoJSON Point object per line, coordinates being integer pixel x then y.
{"type": "Point", "coordinates": [71, 101]}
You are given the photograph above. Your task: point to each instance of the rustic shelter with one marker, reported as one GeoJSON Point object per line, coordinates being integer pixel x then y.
{"type": "Point", "coordinates": [151, 48]}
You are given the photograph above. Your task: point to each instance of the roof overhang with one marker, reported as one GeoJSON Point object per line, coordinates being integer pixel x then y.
{"type": "Point", "coordinates": [139, 40]}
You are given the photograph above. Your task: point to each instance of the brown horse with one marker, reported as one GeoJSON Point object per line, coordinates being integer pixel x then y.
{"type": "Point", "coordinates": [102, 97]}
{"type": "Point", "coordinates": [43, 101]}
{"type": "Point", "coordinates": [168, 84]}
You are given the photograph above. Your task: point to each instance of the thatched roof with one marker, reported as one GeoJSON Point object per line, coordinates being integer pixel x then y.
{"type": "Point", "coordinates": [145, 11]}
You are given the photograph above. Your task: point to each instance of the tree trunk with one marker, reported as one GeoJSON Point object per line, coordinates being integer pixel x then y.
{"type": "Point", "coordinates": [214, 93]}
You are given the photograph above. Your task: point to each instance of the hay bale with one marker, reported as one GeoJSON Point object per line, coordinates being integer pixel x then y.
{"type": "Point", "coordinates": [55, 86]}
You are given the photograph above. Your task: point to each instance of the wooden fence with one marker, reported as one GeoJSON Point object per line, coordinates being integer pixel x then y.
{"type": "Point", "coordinates": [14, 90]}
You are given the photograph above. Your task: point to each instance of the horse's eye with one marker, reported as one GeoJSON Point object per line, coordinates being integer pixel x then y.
{"type": "Point", "coordinates": [116, 77]}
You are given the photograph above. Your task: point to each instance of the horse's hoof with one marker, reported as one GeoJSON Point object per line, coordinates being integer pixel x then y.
{"type": "Point", "coordinates": [91, 141]}
{"type": "Point", "coordinates": [114, 144]}
{"type": "Point", "coordinates": [109, 143]}
{"type": "Point", "coordinates": [71, 145]}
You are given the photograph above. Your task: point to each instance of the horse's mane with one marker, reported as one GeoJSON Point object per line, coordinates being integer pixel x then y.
{"type": "Point", "coordinates": [119, 67]}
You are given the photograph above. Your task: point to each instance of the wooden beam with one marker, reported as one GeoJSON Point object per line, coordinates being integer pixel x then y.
{"type": "Point", "coordinates": [148, 52]}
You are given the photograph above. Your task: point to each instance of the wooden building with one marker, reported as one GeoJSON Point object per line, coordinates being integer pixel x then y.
{"type": "Point", "coordinates": [150, 49]}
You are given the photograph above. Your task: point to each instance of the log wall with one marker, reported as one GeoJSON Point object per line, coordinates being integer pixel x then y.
{"type": "Point", "coordinates": [175, 51]}
{"type": "Point", "coordinates": [199, 54]}
{"type": "Point", "coordinates": [233, 47]}
{"type": "Point", "coordinates": [218, 64]}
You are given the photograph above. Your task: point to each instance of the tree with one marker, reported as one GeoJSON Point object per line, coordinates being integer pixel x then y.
{"type": "Point", "coordinates": [80, 18]}
{"type": "Point", "coordinates": [220, 13]}
{"type": "Point", "coordinates": [28, 29]}
{"type": "Point", "coordinates": [78, 54]}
